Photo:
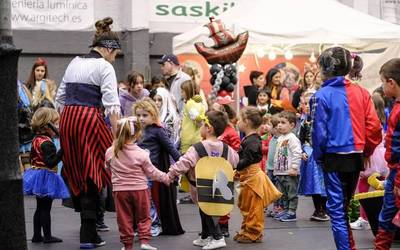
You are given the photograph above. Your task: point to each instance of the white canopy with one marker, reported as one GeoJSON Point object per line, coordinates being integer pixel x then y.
{"type": "Point", "coordinates": [299, 25]}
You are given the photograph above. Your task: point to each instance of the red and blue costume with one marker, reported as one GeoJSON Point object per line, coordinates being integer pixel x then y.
{"type": "Point", "coordinates": [345, 129]}
{"type": "Point", "coordinates": [391, 201]}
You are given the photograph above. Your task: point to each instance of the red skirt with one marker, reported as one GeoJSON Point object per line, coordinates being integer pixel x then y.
{"type": "Point", "coordinates": [84, 137]}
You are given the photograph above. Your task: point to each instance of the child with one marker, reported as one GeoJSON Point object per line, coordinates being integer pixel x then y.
{"type": "Point", "coordinates": [390, 76]}
{"type": "Point", "coordinates": [156, 140]}
{"type": "Point", "coordinates": [345, 130]}
{"type": "Point", "coordinates": [376, 164]}
{"type": "Point", "coordinates": [41, 179]}
{"type": "Point", "coordinates": [253, 184]}
{"type": "Point", "coordinates": [190, 127]}
{"type": "Point", "coordinates": [213, 125]}
{"type": "Point", "coordinates": [130, 165]}
{"type": "Point", "coordinates": [264, 100]}
{"type": "Point", "coordinates": [274, 121]}
{"type": "Point", "coordinates": [230, 137]}
{"type": "Point", "coordinates": [287, 165]}
{"type": "Point", "coordinates": [168, 113]}
{"type": "Point", "coordinates": [190, 132]}
{"type": "Point", "coordinates": [265, 138]}
{"type": "Point", "coordinates": [311, 176]}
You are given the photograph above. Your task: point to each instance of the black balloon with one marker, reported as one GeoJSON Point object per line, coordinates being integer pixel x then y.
{"type": "Point", "coordinates": [233, 79]}
{"type": "Point", "coordinates": [230, 87]}
{"type": "Point", "coordinates": [228, 68]}
{"type": "Point", "coordinates": [225, 81]}
{"type": "Point", "coordinates": [215, 68]}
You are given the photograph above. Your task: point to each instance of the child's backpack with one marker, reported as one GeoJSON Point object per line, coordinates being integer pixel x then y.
{"type": "Point", "coordinates": [214, 182]}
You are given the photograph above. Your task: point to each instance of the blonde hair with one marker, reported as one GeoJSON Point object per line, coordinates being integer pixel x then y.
{"type": "Point", "coordinates": [190, 88]}
{"type": "Point", "coordinates": [124, 132]}
{"type": "Point", "coordinates": [42, 117]}
{"type": "Point", "coordinates": [148, 105]}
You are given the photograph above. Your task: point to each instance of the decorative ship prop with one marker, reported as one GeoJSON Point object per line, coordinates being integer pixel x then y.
{"type": "Point", "coordinates": [227, 49]}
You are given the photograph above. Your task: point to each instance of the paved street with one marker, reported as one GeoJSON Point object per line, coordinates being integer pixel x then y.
{"type": "Point", "coordinates": [300, 235]}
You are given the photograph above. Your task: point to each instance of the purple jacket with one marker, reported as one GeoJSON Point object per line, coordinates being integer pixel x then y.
{"type": "Point", "coordinates": [127, 100]}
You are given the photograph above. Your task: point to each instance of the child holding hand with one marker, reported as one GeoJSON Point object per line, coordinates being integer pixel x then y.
{"type": "Point", "coordinates": [130, 166]}
{"type": "Point", "coordinates": [213, 125]}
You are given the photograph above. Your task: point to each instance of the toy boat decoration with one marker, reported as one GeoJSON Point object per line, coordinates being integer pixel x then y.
{"type": "Point", "coordinates": [227, 49]}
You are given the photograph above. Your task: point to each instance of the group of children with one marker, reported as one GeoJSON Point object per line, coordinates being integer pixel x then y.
{"type": "Point", "coordinates": [289, 162]}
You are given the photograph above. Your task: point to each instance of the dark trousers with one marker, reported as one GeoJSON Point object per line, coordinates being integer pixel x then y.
{"type": "Point", "coordinates": [89, 207]}
{"type": "Point", "coordinates": [319, 203]}
{"type": "Point", "coordinates": [209, 227]}
{"type": "Point", "coordinates": [42, 218]}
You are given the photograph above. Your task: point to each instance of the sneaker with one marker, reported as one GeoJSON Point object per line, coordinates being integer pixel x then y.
{"type": "Point", "coordinates": [186, 200]}
{"type": "Point", "coordinates": [101, 227]}
{"type": "Point", "coordinates": [321, 216]}
{"type": "Point", "coordinates": [201, 242]}
{"type": "Point", "coordinates": [280, 214]}
{"type": "Point", "coordinates": [155, 231]}
{"type": "Point", "coordinates": [147, 247]}
{"type": "Point", "coordinates": [360, 224]}
{"type": "Point", "coordinates": [288, 217]}
{"type": "Point", "coordinates": [214, 244]}
{"type": "Point", "coordinates": [87, 246]}
{"type": "Point", "coordinates": [269, 213]}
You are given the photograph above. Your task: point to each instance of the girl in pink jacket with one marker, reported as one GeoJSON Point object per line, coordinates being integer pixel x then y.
{"type": "Point", "coordinates": [130, 166]}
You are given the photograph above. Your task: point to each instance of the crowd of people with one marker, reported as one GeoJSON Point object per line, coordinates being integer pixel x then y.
{"type": "Point", "coordinates": [127, 146]}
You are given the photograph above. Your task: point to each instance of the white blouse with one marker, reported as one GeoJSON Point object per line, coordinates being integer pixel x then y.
{"type": "Point", "coordinates": [93, 71]}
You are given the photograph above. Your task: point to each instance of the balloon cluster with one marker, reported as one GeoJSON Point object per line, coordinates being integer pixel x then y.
{"type": "Point", "coordinates": [223, 78]}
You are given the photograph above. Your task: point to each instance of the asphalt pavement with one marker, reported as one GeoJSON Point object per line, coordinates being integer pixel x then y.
{"type": "Point", "coordinates": [300, 235]}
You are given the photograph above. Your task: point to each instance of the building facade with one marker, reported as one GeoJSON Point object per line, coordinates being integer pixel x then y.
{"type": "Point", "coordinates": [59, 30]}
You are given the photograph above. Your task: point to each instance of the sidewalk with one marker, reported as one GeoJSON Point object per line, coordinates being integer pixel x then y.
{"type": "Point", "coordinates": [301, 235]}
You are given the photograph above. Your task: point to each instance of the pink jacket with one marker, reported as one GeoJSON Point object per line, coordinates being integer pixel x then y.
{"type": "Point", "coordinates": [132, 167]}
{"type": "Point", "coordinates": [188, 161]}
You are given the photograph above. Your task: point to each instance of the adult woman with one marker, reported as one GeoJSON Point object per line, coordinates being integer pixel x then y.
{"type": "Point", "coordinates": [136, 92]}
{"type": "Point", "coordinates": [40, 87]}
{"type": "Point", "coordinates": [257, 80]}
{"type": "Point", "coordinates": [308, 82]}
{"type": "Point", "coordinates": [317, 81]}
{"type": "Point", "coordinates": [168, 113]}
{"type": "Point", "coordinates": [279, 94]}
{"type": "Point", "coordinates": [88, 86]}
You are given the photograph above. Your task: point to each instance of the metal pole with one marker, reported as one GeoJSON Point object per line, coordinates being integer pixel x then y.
{"type": "Point", "coordinates": [12, 221]}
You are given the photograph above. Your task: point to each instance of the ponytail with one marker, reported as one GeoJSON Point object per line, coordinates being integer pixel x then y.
{"type": "Point", "coordinates": [127, 129]}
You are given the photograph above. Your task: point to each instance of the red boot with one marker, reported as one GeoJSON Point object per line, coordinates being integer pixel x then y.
{"type": "Point", "coordinates": [383, 240]}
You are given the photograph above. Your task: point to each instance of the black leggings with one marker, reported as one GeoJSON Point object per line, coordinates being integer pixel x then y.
{"type": "Point", "coordinates": [319, 203]}
{"type": "Point", "coordinates": [209, 227]}
{"type": "Point", "coordinates": [41, 218]}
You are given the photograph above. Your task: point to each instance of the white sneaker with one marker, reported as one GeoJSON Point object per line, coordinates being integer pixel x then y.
{"type": "Point", "coordinates": [360, 224]}
{"type": "Point", "coordinates": [201, 242]}
{"type": "Point", "coordinates": [147, 247]}
{"type": "Point", "coordinates": [214, 244]}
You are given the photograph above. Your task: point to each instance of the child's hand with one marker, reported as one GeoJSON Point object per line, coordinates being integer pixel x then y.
{"type": "Point", "coordinates": [292, 172]}
{"type": "Point", "coordinates": [236, 175]}
{"type": "Point", "coordinates": [304, 156]}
